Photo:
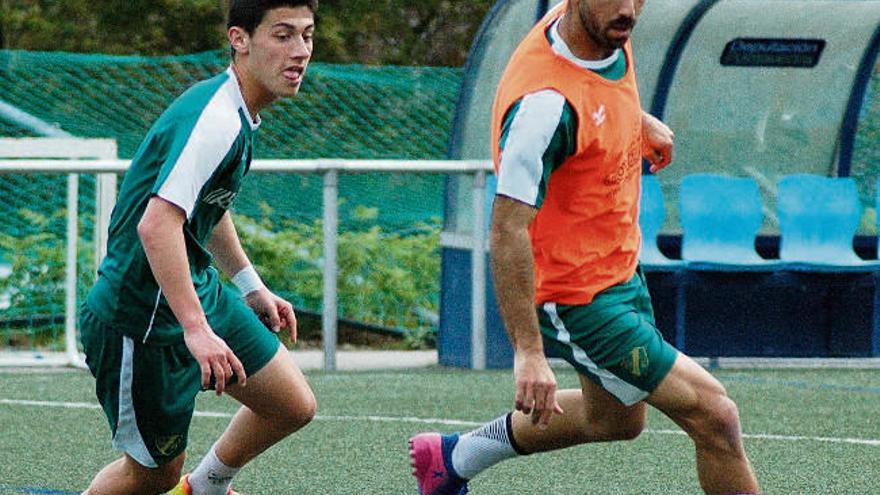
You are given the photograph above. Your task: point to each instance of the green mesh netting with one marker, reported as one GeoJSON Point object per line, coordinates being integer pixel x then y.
{"type": "Point", "coordinates": [342, 111]}
{"type": "Point", "coordinates": [8, 129]}
{"type": "Point", "coordinates": [32, 257]}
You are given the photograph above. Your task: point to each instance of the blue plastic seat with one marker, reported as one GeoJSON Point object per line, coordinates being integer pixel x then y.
{"type": "Point", "coordinates": [818, 218]}
{"type": "Point", "coordinates": [652, 214]}
{"type": "Point", "coordinates": [720, 218]}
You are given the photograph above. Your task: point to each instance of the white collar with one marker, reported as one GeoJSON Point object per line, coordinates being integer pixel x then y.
{"type": "Point", "coordinates": [239, 98]}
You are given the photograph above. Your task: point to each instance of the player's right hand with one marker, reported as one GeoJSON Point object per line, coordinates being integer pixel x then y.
{"type": "Point", "coordinates": [215, 358]}
{"type": "Point", "coordinates": [535, 387]}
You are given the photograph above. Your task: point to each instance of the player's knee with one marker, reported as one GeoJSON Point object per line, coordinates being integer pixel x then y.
{"type": "Point", "coordinates": [299, 413]}
{"type": "Point", "coordinates": [307, 410]}
{"type": "Point", "coordinates": [719, 426]}
{"type": "Point", "coordinates": [630, 431]}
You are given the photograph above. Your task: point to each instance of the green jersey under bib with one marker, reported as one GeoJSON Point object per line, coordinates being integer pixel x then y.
{"type": "Point", "coordinates": [195, 156]}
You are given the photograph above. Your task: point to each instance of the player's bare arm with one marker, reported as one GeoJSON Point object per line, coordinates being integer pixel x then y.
{"type": "Point", "coordinates": [513, 274]}
{"type": "Point", "coordinates": [226, 247]}
{"type": "Point", "coordinates": [161, 232]}
{"type": "Point", "coordinates": [657, 142]}
{"type": "Point", "coordinates": [275, 312]}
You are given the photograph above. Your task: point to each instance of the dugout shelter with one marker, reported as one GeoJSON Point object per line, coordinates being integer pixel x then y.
{"type": "Point", "coordinates": [753, 89]}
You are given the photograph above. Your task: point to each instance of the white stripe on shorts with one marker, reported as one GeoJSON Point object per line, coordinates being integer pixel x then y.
{"type": "Point", "coordinates": [128, 438]}
{"type": "Point", "coordinates": [625, 392]}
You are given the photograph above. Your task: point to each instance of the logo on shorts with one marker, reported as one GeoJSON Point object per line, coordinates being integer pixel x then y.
{"type": "Point", "coordinates": [168, 444]}
{"type": "Point", "coordinates": [637, 362]}
{"type": "Point", "coordinates": [220, 197]}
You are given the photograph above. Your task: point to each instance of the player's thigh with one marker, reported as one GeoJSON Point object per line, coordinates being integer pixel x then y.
{"type": "Point", "coordinates": [278, 390]}
{"type": "Point", "coordinates": [275, 385]}
{"type": "Point", "coordinates": [687, 391]}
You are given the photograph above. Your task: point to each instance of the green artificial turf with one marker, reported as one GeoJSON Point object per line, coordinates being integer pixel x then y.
{"type": "Point", "coordinates": [52, 450]}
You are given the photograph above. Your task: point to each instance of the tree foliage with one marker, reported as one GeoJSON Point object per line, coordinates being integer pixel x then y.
{"type": "Point", "coordinates": [401, 32]}
{"type": "Point", "coordinates": [32, 294]}
{"type": "Point", "coordinates": [385, 278]}
{"type": "Point", "coordinates": [113, 26]}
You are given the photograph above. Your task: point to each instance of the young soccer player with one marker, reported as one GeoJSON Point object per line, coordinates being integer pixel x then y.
{"type": "Point", "coordinates": [568, 138]}
{"type": "Point", "coordinates": [158, 326]}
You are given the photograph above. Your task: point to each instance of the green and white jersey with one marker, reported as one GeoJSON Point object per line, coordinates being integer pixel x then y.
{"type": "Point", "coordinates": [195, 156]}
{"type": "Point", "coordinates": [540, 130]}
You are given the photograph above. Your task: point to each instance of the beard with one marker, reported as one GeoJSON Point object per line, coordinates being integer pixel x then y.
{"type": "Point", "coordinates": [598, 33]}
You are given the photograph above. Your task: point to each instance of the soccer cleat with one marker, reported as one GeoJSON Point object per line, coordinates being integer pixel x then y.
{"type": "Point", "coordinates": [183, 488]}
{"type": "Point", "coordinates": [431, 459]}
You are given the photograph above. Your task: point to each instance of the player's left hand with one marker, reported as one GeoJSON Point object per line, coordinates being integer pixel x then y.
{"type": "Point", "coordinates": [657, 142]}
{"type": "Point", "coordinates": [273, 311]}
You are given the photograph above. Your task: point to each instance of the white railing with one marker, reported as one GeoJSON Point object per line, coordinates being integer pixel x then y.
{"type": "Point", "coordinates": [330, 169]}
{"type": "Point", "coordinates": [54, 154]}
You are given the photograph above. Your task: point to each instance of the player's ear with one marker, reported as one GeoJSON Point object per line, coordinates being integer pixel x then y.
{"type": "Point", "coordinates": [239, 39]}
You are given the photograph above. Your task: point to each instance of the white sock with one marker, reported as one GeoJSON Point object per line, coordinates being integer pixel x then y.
{"type": "Point", "coordinates": [484, 447]}
{"type": "Point", "coordinates": [211, 476]}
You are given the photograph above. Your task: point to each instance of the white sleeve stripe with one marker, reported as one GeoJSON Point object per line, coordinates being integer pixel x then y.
{"type": "Point", "coordinates": [522, 160]}
{"type": "Point", "coordinates": [210, 141]}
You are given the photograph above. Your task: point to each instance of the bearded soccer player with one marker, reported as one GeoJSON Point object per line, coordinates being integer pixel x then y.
{"type": "Point", "coordinates": [568, 138]}
{"type": "Point", "coordinates": [158, 326]}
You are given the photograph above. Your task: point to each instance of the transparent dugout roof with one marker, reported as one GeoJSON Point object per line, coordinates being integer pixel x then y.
{"type": "Point", "coordinates": [730, 118]}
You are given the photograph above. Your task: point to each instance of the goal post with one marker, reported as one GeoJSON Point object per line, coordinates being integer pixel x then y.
{"type": "Point", "coordinates": [60, 155]}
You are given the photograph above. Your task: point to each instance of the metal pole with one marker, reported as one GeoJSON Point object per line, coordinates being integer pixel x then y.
{"type": "Point", "coordinates": [478, 275]}
{"type": "Point", "coordinates": [71, 269]}
{"type": "Point", "coordinates": [105, 198]}
{"type": "Point", "coordinates": [331, 268]}
{"type": "Point", "coordinates": [34, 124]}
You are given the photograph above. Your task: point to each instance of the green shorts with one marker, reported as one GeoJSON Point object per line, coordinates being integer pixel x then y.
{"type": "Point", "coordinates": [148, 390]}
{"type": "Point", "coordinates": [613, 341]}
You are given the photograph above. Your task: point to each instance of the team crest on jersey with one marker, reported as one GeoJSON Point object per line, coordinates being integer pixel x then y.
{"type": "Point", "coordinates": [599, 116]}
{"type": "Point", "coordinates": [220, 197]}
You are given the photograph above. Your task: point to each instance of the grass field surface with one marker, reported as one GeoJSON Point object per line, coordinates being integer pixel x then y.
{"type": "Point", "coordinates": [808, 431]}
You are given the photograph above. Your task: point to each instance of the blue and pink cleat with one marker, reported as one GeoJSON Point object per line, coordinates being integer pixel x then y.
{"type": "Point", "coordinates": [431, 459]}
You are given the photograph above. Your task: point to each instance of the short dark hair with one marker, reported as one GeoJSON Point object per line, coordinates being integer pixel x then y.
{"type": "Point", "coordinates": [248, 14]}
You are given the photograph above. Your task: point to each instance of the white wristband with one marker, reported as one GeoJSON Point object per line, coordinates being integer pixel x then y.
{"type": "Point", "coordinates": [247, 280]}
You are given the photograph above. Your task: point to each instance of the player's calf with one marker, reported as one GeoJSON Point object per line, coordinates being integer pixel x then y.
{"type": "Point", "coordinates": [167, 480]}
{"type": "Point", "coordinates": [162, 478]}
{"type": "Point", "coordinates": [126, 476]}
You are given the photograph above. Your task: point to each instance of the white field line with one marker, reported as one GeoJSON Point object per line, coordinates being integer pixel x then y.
{"type": "Point", "coordinates": [449, 422]}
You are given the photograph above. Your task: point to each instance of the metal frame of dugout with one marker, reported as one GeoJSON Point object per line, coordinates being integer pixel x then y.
{"type": "Point", "coordinates": [726, 75]}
